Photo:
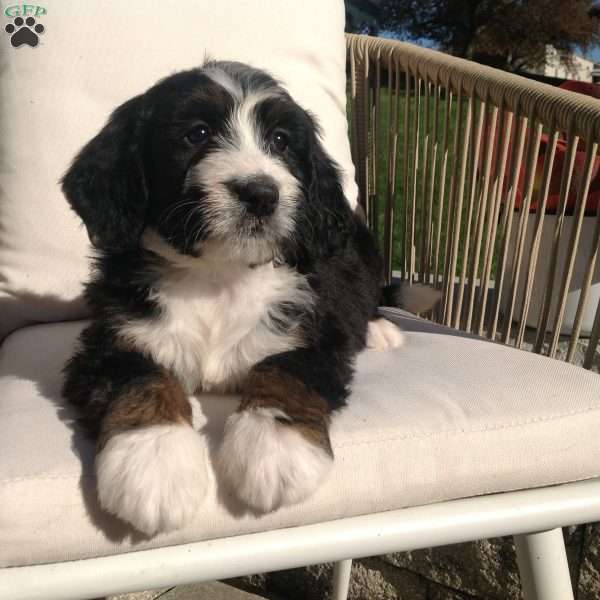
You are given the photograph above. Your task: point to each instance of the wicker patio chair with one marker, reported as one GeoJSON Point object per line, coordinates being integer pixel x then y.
{"type": "Point", "coordinates": [444, 150]}
{"type": "Point", "coordinates": [455, 184]}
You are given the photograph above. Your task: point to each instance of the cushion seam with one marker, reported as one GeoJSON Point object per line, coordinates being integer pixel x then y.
{"type": "Point", "coordinates": [537, 421]}
{"type": "Point", "coordinates": [490, 490]}
{"type": "Point", "coordinates": [364, 443]}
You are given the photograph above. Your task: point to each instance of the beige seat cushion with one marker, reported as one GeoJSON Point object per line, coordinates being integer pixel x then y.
{"type": "Point", "coordinates": [442, 417]}
{"type": "Point", "coordinates": [93, 56]}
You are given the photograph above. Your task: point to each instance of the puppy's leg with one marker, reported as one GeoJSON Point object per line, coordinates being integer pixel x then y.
{"type": "Point", "coordinates": [151, 465]}
{"type": "Point", "coordinates": [276, 449]}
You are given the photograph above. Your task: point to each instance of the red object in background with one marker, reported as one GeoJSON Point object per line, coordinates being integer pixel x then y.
{"type": "Point", "coordinates": [582, 87]}
{"type": "Point", "coordinates": [593, 199]}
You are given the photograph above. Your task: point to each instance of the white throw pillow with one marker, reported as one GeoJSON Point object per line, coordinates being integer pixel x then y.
{"type": "Point", "coordinates": [91, 57]}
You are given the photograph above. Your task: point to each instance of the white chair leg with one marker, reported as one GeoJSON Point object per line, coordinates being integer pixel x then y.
{"type": "Point", "coordinates": [543, 566]}
{"type": "Point", "coordinates": [341, 579]}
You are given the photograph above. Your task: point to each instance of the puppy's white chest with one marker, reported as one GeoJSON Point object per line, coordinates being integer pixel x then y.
{"type": "Point", "coordinates": [214, 326]}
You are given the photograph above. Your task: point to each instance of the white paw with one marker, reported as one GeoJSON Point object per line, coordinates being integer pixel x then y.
{"type": "Point", "coordinates": [383, 335]}
{"type": "Point", "coordinates": [269, 464]}
{"type": "Point", "coordinates": [154, 477]}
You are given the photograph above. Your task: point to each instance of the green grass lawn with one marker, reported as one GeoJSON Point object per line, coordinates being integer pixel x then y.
{"type": "Point", "coordinates": [419, 122]}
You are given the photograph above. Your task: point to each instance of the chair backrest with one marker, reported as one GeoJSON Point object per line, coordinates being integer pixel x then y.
{"type": "Point", "coordinates": [56, 93]}
{"type": "Point", "coordinates": [479, 181]}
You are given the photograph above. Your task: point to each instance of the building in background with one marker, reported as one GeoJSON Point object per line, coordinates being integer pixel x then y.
{"type": "Point", "coordinates": [572, 67]}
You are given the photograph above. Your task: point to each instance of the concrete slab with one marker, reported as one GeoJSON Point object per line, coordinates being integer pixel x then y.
{"type": "Point", "coordinates": [208, 591]}
{"type": "Point", "coordinates": [148, 595]}
{"type": "Point", "coordinates": [197, 591]}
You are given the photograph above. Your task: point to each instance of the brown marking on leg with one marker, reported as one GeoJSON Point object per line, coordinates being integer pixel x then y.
{"type": "Point", "coordinates": [157, 401]}
{"type": "Point", "coordinates": [308, 412]}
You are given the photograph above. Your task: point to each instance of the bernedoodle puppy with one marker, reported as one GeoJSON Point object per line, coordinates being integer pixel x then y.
{"type": "Point", "coordinates": [227, 260]}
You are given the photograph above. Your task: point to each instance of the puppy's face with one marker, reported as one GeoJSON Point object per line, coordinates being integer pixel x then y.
{"type": "Point", "coordinates": [218, 160]}
{"type": "Point", "coordinates": [228, 150]}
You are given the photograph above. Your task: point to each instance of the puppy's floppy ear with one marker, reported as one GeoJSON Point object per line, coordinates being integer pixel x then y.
{"type": "Point", "coordinates": [331, 216]}
{"type": "Point", "coordinates": [105, 184]}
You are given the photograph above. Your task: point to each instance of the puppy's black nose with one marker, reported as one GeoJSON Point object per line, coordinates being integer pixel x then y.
{"type": "Point", "coordinates": [259, 195]}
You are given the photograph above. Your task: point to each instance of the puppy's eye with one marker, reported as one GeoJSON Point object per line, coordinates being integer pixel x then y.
{"type": "Point", "coordinates": [279, 140]}
{"type": "Point", "coordinates": [198, 134]}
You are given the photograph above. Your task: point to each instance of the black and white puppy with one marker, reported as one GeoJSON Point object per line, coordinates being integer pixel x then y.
{"type": "Point", "coordinates": [228, 260]}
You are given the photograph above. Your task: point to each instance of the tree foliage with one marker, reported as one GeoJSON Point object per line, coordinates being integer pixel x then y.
{"type": "Point", "coordinates": [511, 34]}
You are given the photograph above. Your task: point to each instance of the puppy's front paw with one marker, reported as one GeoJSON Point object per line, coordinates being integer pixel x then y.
{"type": "Point", "coordinates": [154, 477]}
{"type": "Point", "coordinates": [383, 335]}
{"type": "Point", "coordinates": [268, 461]}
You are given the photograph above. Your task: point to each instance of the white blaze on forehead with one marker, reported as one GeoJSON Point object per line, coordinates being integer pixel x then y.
{"type": "Point", "coordinates": [242, 153]}
{"type": "Point", "coordinates": [223, 79]}
{"type": "Point", "coordinates": [243, 129]}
